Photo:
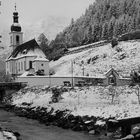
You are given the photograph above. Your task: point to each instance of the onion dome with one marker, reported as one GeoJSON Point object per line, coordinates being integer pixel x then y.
{"type": "Point", "coordinates": [15, 26]}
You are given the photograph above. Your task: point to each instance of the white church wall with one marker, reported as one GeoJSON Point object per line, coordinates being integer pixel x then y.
{"type": "Point", "coordinates": [41, 65]}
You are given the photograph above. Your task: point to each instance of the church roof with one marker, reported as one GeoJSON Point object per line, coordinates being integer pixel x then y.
{"type": "Point", "coordinates": [41, 59]}
{"type": "Point", "coordinates": [30, 45]}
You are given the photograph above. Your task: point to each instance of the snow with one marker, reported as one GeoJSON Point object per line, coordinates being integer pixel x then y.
{"type": "Point", "coordinates": [108, 57]}
{"type": "Point", "coordinates": [100, 123]}
{"type": "Point", "coordinates": [96, 100]}
{"type": "Point", "coordinates": [92, 101]}
{"type": "Point", "coordinates": [5, 135]}
{"type": "Point", "coordinates": [41, 59]}
{"type": "Point", "coordinates": [75, 48]}
{"type": "Point", "coordinates": [31, 53]}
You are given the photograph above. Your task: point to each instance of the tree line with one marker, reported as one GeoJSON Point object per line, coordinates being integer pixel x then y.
{"type": "Point", "coordinates": [102, 20]}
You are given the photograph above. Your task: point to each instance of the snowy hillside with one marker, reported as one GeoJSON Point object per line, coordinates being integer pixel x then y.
{"type": "Point", "coordinates": [123, 58]}
{"type": "Point", "coordinates": [91, 101]}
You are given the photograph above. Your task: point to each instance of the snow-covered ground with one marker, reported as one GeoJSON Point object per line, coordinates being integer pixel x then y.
{"type": "Point", "coordinates": [99, 60]}
{"type": "Point", "coordinates": [91, 101]}
{"type": "Point", "coordinates": [5, 135]}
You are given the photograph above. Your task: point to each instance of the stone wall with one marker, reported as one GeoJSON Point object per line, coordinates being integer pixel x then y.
{"type": "Point", "coordinates": [53, 80]}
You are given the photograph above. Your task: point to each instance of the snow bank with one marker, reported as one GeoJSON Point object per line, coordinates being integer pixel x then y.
{"type": "Point", "coordinates": [91, 101]}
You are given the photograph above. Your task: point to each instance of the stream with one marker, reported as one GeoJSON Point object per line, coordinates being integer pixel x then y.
{"type": "Point", "coordinates": [33, 130]}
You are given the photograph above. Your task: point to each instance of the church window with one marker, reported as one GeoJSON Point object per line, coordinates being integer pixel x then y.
{"type": "Point", "coordinates": [24, 51]}
{"type": "Point", "coordinates": [17, 39]}
{"type": "Point", "coordinates": [16, 67]}
{"type": "Point", "coordinates": [30, 65]}
{"type": "Point", "coordinates": [19, 66]}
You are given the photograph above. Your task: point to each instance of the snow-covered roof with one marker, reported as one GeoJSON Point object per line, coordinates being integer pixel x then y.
{"type": "Point", "coordinates": [41, 59]}
{"type": "Point", "coordinates": [25, 48]}
{"type": "Point", "coordinates": [111, 69]}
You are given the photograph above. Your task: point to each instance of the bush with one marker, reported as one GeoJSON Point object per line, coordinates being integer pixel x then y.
{"type": "Point", "coordinates": [40, 72]}
{"type": "Point", "coordinates": [114, 42]}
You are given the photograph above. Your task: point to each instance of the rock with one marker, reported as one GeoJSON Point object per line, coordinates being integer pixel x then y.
{"type": "Point", "coordinates": [109, 134]}
{"type": "Point", "coordinates": [128, 137]}
{"type": "Point", "coordinates": [77, 127]}
{"type": "Point", "coordinates": [92, 132]}
{"type": "Point", "coordinates": [137, 136]}
{"type": "Point", "coordinates": [135, 130]}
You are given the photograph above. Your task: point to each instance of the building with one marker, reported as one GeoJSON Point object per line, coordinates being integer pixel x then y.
{"type": "Point", "coordinates": [111, 77]}
{"type": "Point", "coordinates": [24, 56]}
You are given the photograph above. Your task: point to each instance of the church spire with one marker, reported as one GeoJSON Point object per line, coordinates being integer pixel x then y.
{"type": "Point", "coordinates": [15, 26]}
{"type": "Point", "coordinates": [15, 7]}
{"type": "Point", "coordinates": [15, 15]}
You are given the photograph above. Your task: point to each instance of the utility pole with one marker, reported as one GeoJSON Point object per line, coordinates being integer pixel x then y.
{"type": "Point", "coordinates": [83, 70]}
{"type": "Point", "coordinates": [72, 73]}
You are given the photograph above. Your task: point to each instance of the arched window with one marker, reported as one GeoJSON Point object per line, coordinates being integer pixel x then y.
{"type": "Point", "coordinates": [112, 79]}
{"type": "Point", "coordinates": [17, 39]}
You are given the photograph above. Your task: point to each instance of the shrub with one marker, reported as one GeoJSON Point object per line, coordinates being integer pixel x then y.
{"type": "Point", "coordinates": [40, 72]}
{"type": "Point", "coordinates": [114, 42]}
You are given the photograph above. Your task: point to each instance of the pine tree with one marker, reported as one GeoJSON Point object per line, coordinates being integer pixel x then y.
{"type": "Point", "coordinates": [105, 31]}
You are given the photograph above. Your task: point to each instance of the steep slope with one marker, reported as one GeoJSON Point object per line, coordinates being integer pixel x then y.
{"type": "Point", "coordinates": [124, 58]}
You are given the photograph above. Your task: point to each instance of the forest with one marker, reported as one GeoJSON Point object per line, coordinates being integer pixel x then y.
{"type": "Point", "coordinates": [102, 20]}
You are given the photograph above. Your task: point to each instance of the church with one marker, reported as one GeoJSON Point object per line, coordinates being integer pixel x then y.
{"type": "Point", "coordinates": [25, 57]}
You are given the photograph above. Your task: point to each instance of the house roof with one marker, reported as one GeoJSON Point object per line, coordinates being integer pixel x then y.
{"type": "Point", "coordinates": [110, 70]}
{"type": "Point", "coordinates": [30, 45]}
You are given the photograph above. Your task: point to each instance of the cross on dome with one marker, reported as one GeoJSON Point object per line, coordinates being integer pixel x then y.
{"type": "Point", "coordinates": [15, 7]}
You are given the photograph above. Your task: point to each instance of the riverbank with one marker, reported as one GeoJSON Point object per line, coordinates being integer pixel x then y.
{"type": "Point", "coordinates": [33, 130]}
{"type": "Point", "coordinates": [80, 109]}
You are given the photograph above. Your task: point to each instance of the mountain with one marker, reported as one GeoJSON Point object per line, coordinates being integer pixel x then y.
{"type": "Point", "coordinates": [103, 20]}
{"type": "Point", "coordinates": [97, 60]}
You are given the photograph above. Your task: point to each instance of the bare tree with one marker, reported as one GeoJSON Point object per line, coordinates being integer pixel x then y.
{"type": "Point", "coordinates": [137, 92]}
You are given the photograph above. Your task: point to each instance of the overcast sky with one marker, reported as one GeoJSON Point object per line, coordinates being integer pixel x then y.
{"type": "Point", "coordinates": [32, 11]}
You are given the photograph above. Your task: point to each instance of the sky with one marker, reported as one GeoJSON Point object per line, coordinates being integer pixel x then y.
{"type": "Point", "coordinates": [37, 13]}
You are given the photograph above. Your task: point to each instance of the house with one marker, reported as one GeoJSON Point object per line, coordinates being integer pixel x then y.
{"type": "Point", "coordinates": [24, 56]}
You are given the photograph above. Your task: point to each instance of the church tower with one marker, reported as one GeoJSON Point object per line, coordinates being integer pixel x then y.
{"type": "Point", "coordinates": [16, 36]}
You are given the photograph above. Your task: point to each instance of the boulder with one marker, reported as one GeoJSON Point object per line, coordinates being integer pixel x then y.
{"type": "Point", "coordinates": [137, 136]}
{"type": "Point", "coordinates": [135, 130]}
{"type": "Point", "coordinates": [92, 132]}
{"type": "Point", "coordinates": [128, 137]}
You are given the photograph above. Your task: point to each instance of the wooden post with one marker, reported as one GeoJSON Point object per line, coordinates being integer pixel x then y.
{"type": "Point", "coordinates": [72, 73]}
